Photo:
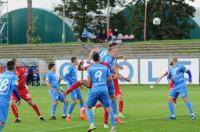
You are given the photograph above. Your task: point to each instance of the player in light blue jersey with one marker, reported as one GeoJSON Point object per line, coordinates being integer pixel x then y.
{"type": "Point", "coordinates": [176, 76]}
{"type": "Point", "coordinates": [98, 75]}
{"type": "Point", "coordinates": [8, 85]}
{"type": "Point", "coordinates": [71, 78]}
{"type": "Point", "coordinates": [53, 82]}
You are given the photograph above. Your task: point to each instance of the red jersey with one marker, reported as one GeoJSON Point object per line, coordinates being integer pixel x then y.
{"type": "Point", "coordinates": [171, 85]}
{"type": "Point", "coordinates": [20, 72]}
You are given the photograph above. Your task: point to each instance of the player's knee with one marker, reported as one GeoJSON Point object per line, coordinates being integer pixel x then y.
{"type": "Point", "coordinates": [75, 101]}
{"type": "Point", "coordinates": [55, 102]}
{"type": "Point", "coordinates": [112, 97]}
{"type": "Point", "coordinates": [108, 109]}
{"type": "Point", "coordinates": [170, 99]}
{"type": "Point", "coordinates": [13, 102]}
{"type": "Point", "coordinates": [1, 124]}
{"type": "Point", "coordinates": [65, 100]}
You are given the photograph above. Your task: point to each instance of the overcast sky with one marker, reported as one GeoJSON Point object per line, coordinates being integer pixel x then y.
{"type": "Point", "coordinates": [50, 4]}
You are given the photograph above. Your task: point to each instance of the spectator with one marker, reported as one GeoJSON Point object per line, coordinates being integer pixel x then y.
{"type": "Point", "coordinates": [1, 68]}
{"type": "Point", "coordinates": [85, 35]}
{"type": "Point", "coordinates": [99, 36]}
{"type": "Point", "coordinates": [109, 35]}
{"type": "Point", "coordinates": [104, 37]}
{"type": "Point", "coordinates": [116, 33]}
{"type": "Point", "coordinates": [30, 75]}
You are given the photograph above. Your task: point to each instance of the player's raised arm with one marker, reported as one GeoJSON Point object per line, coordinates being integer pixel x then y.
{"type": "Point", "coordinates": [95, 50]}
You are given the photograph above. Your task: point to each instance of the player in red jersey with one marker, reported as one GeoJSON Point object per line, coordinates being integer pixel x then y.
{"type": "Point", "coordinates": [171, 85]}
{"type": "Point", "coordinates": [24, 93]}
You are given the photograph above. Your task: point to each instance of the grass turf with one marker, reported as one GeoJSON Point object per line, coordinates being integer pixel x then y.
{"type": "Point", "coordinates": [146, 110]}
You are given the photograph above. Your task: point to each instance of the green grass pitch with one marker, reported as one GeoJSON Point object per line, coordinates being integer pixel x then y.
{"type": "Point", "coordinates": [146, 111]}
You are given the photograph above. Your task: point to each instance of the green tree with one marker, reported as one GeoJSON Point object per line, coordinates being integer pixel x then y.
{"type": "Point", "coordinates": [175, 16]}
{"type": "Point", "coordinates": [82, 13]}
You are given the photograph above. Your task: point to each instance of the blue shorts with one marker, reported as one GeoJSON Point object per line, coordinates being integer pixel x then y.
{"type": "Point", "coordinates": [76, 94]}
{"type": "Point", "coordinates": [111, 88]}
{"type": "Point", "coordinates": [180, 90]}
{"type": "Point", "coordinates": [57, 97]}
{"type": "Point", "coordinates": [3, 113]}
{"type": "Point", "coordinates": [93, 97]}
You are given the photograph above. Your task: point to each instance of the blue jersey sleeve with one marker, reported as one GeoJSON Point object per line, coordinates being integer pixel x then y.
{"type": "Point", "coordinates": [48, 77]}
{"type": "Point", "coordinates": [183, 68]}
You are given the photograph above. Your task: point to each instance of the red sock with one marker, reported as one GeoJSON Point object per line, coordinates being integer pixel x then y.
{"type": "Point", "coordinates": [105, 116]}
{"type": "Point", "coordinates": [35, 108]}
{"type": "Point", "coordinates": [15, 110]}
{"type": "Point", "coordinates": [98, 105]}
{"type": "Point", "coordinates": [121, 106]}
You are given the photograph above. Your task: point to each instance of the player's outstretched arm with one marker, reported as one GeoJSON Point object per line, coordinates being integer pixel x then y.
{"type": "Point", "coordinates": [95, 50]}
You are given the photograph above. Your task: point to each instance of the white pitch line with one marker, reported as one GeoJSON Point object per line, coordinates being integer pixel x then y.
{"type": "Point", "coordinates": [141, 119]}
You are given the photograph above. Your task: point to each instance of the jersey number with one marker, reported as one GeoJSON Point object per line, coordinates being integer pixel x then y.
{"type": "Point", "coordinates": [98, 75]}
{"type": "Point", "coordinates": [3, 84]}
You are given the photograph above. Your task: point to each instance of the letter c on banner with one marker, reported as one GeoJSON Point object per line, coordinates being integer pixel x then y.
{"type": "Point", "coordinates": [61, 70]}
{"type": "Point", "coordinates": [130, 68]}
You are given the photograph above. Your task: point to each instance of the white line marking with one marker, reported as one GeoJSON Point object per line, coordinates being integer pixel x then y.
{"type": "Point", "coordinates": [141, 119]}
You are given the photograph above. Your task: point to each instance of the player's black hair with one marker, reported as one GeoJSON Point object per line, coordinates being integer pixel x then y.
{"type": "Point", "coordinates": [112, 44]}
{"type": "Point", "coordinates": [73, 59]}
{"type": "Point", "coordinates": [11, 65]}
{"type": "Point", "coordinates": [96, 57]}
{"type": "Point", "coordinates": [51, 65]}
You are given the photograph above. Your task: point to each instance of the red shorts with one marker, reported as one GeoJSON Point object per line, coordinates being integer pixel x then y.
{"type": "Point", "coordinates": [24, 94]}
{"type": "Point", "coordinates": [117, 88]}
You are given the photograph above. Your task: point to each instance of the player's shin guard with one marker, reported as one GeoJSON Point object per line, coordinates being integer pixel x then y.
{"type": "Point", "coordinates": [105, 116]}
{"type": "Point", "coordinates": [53, 109]}
{"type": "Point", "coordinates": [114, 106]}
{"type": "Point", "coordinates": [189, 106]}
{"type": "Point", "coordinates": [71, 108]}
{"type": "Point", "coordinates": [65, 104]}
{"type": "Point", "coordinates": [15, 110]}
{"type": "Point", "coordinates": [90, 116]}
{"type": "Point", "coordinates": [121, 106]}
{"type": "Point", "coordinates": [112, 118]}
{"type": "Point", "coordinates": [35, 108]}
{"type": "Point", "coordinates": [171, 108]}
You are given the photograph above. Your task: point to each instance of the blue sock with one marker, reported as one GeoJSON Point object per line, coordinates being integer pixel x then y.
{"type": "Point", "coordinates": [71, 108]}
{"type": "Point", "coordinates": [1, 128]}
{"type": "Point", "coordinates": [171, 108]}
{"type": "Point", "coordinates": [81, 105]}
{"type": "Point", "coordinates": [65, 104]}
{"type": "Point", "coordinates": [53, 109]}
{"type": "Point", "coordinates": [189, 106]}
{"type": "Point", "coordinates": [112, 118]}
{"type": "Point", "coordinates": [90, 116]}
{"type": "Point", "coordinates": [114, 106]}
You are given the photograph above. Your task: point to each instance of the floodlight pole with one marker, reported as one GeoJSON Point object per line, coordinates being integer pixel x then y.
{"type": "Point", "coordinates": [108, 16]}
{"type": "Point", "coordinates": [145, 21]}
{"type": "Point", "coordinates": [63, 34]}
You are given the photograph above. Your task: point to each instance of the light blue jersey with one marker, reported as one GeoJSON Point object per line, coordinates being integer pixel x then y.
{"type": "Point", "coordinates": [103, 53]}
{"type": "Point", "coordinates": [71, 75]}
{"type": "Point", "coordinates": [98, 74]}
{"type": "Point", "coordinates": [8, 85]}
{"type": "Point", "coordinates": [53, 80]}
{"type": "Point", "coordinates": [176, 74]}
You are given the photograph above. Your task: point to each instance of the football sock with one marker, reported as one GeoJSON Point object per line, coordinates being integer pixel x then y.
{"type": "Point", "coordinates": [121, 106]}
{"type": "Point", "coordinates": [65, 104]}
{"type": "Point", "coordinates": [15, 110]}
{"type": "Point", "coordinates": [189, 106]}
{"type": "Point", "coordinates": [112, 118]}
{"type": "Point", "coordinates": [114, 106]}
{"type": "Point", "coordinates": [71, 108]}
{"type": "Point", "coordinates": [53, 109]}
{"type": "Point", "coordinates": [105, 116]}
{"type": "Point", "coordinates": [35, 108]}
{"type": "Point", "coordinates": [90, 116]}
{"type": "Point", "coordinates": [171, 108]}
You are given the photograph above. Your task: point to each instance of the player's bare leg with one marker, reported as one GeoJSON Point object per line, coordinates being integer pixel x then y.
{"type": "Point", "coordinates": [35, 108]}
{"type": "Point", "coordinates": [15, 111]}
{"type": "Point", "coordinates": [53, 110]}
{"type": "Point", "coordinates": [121, 105]}
{"type": "Point", "coordinates": [189, 106]}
